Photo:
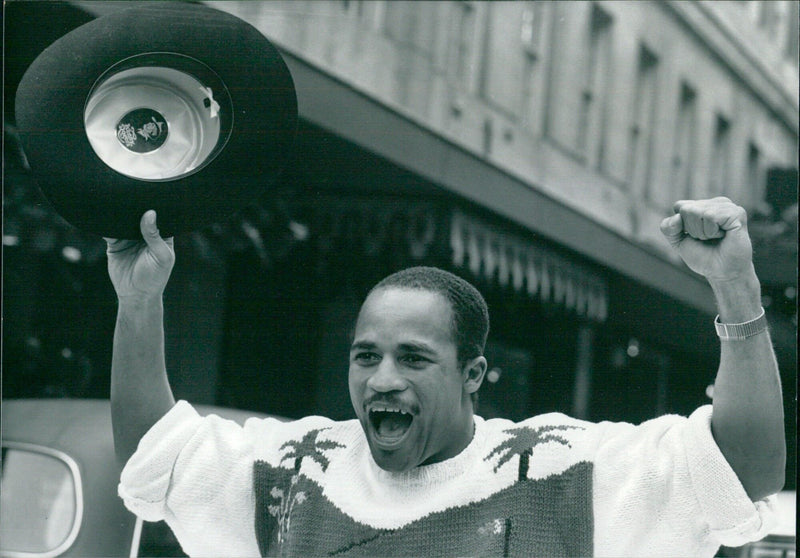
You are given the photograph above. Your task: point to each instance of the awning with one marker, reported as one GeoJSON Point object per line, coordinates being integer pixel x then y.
{"type": "Point", "coordinates": [412, 231]}
{"type": "Point", "coordinates": [512, 260]}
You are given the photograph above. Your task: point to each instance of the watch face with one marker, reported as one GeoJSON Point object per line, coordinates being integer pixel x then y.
{"type": "Point", "coordinates": [142, 130]}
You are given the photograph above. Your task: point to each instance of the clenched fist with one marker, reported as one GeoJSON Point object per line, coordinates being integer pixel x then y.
{"type": "Point", "coordinates": [140, 270]}
{"type": "Point", "coordinates": [711, 238]}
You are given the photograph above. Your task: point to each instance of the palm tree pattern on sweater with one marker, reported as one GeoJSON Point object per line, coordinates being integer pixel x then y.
{"type": "Point", "coordinates": [522, 442]}
{"type": "Point", "coordinates": [309, 447]}
{"type": "Point", "coordinates": [296, 517]}
{"type": "Point", "coordinates": [286, 500]}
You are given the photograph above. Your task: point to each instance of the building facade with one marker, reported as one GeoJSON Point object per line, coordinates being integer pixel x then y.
{"type": "Point", "coordinates": [534, 147]}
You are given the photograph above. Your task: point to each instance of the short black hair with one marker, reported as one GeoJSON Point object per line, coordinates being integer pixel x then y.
{"type": "Point", "coordinates": [470, 312]}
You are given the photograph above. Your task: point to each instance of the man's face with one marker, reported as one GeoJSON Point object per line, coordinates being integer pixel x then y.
{"type": "Point", "coordinates": [405, 382]}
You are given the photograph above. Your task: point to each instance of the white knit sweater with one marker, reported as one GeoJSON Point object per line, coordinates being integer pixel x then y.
{"type": "Point", "coordinates": [548, 486]}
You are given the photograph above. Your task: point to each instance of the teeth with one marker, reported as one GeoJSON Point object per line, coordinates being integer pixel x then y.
{"type": "Point", "coordinates": [379, 408]}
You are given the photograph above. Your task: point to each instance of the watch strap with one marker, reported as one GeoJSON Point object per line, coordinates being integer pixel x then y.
{"type": "Point", "coordinates": [737, 332]}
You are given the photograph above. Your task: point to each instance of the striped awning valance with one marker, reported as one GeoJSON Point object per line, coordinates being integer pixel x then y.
{"type": "Point", "coordinates": [511, 259]}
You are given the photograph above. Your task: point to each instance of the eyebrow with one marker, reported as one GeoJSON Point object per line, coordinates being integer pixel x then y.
{"type": "Point", "coordinates": [364, 345]}
{"type": "Point", "coordinates": [408, 346]}
{"type": "Point", "coordinates": [416, 347]}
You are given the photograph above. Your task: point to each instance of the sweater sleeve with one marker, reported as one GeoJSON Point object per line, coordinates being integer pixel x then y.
{"type": "Point", "coordinates": [196, 474]}
{"type": "Point", "coordinates": [663, 488]}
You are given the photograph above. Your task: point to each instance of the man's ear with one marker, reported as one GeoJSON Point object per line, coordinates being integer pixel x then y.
{"type": "Point", "coordinates": [474, 372]}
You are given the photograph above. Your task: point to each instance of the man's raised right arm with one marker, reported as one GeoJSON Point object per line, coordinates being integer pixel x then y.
{"type": "Point", "coordinates": [140, 390]}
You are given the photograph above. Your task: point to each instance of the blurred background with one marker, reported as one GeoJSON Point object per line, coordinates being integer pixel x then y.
{"type": "Point", "coordinates": [530, 147]}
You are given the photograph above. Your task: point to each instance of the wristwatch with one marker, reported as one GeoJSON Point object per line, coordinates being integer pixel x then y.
{"type": "Point", "coordinates": [737, 332]}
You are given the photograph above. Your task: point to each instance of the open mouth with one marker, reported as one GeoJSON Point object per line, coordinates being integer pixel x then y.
{"type": "Point", "coordinates": [390, 425]}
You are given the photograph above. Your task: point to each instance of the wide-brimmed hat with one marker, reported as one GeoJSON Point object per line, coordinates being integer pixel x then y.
{"type": "Point", "coordinates": [169, 106]}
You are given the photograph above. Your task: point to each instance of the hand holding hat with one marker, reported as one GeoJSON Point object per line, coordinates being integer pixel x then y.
{"type": "Point", "coordinates": [139, 270]}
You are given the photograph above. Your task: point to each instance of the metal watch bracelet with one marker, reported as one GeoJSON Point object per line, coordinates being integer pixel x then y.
{"type": "Point", "coordinates": [737, 332]}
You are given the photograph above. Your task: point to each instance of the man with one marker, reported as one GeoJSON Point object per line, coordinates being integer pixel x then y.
{"type": "Point", "coordinates": [419, 473]}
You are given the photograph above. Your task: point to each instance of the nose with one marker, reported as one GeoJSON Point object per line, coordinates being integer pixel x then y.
{"type": "Point", "coordinates": [386, 378]}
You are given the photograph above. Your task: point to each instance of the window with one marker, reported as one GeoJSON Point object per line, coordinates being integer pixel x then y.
{"type": "Point", "coordinates": [412, 24]}
{"type": "Point", "coordinates": [792, 44]}
{"type": "Point", "coordinates": [643, 124]}
{"type": "Point", "coordinates": [503, 64]}
{"type": "Point", "coordinates": [685, 138]}
{"type": "Point", "coordinates": [754, 184]}
{"type": "Point", "coordinates": [769, 16]}
{"type": "Point", "coordinates": [412, 27]}
{"type": "Point", "coordinates": [720, 158]}
{"type": "Point", "coordinates": [461, 40]}
{"type": "Point", "coordinates": [592, 116]}
{"type": "Point", "coordinates": [356, 6]}
{"type": "Point", "coordinates": [531, 25]}
{"type": "Point", "coordinates": [530, 36]}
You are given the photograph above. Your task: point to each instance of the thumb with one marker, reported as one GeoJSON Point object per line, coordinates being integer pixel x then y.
{"type": "Point", "coordinates": [672, 229]}
{"type": "Point", "coordinates": [157, 246]}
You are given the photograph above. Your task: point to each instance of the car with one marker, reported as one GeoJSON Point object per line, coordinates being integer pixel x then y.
{"type": "Point", "coordinates": [58, 489]}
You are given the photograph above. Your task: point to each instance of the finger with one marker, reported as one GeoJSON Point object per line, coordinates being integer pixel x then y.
{"type": "Point", "coordinates": [708, 219]}
{"type": "Point", "coordinates": [676, 207]}
{"type": "Point", "coordinates": [115, 245]}
{"type": "Point", "coordinates": [732, 217]}
{"type": "Point", "coordinates": [721, 217]}
{"type": "Point", "coordinates": [711, 228]}
{"type": "Point", "coordinates": [672, 229]}
{"type": "Point", "coordinates": [111, 244]}
{"type": "Point", "coordinates": [692, 220]}
{"type": "Point", "coordinates": [721, 200]}
{"type": "Point", "coordinates": [158, 247]}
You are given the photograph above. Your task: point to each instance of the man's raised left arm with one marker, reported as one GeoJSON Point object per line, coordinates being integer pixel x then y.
{"type": "Point", "coordinates": [747, 419]}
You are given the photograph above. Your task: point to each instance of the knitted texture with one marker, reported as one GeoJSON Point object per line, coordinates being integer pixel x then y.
{"type": "Point", "coordinates": [548, 486]}
{"type": "Point", "coordinates": [547, 517]}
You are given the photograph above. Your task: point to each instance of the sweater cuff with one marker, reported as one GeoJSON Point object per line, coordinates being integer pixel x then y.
{"type": "Point", "coordinates": [732, 517]}
{"type": "Point", "coordinates": [146, 476]}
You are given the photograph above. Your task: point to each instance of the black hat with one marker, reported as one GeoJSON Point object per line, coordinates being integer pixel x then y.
{"type": "Point", "coordinates": [169, 106]}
